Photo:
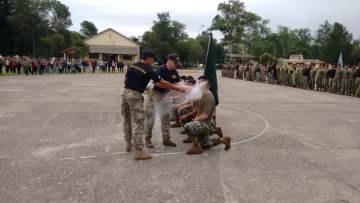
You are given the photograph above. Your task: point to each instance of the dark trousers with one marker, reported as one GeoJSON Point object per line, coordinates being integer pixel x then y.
{"type": "Point", "coordinates": [27, 70]}
{"type": "Point", "coordinates": [121, 69]}
{"type": "Point", "coordinates": [34, 71]}
{"type": "Point", "coordinates": [113, 70]}
{"type": "Point", "coordinates": [1, 68]}
{"type": "Point", "coordinates": [7, 69]}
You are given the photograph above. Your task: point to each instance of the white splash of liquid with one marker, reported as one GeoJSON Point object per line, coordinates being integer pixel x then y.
{"type": "Point", "coordinates": [196, 92]}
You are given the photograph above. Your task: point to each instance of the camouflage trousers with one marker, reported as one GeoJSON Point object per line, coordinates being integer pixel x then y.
{"type": "Point", "coordinates": [326, 83]}
{"type": "Point", "coordinates": [336, 85]}
{"type": "Point", "coordinates": [247, 75]}
{"type": "Point", "coordinates": [199, 131]}
{"type": "Point", "coordinates": [184, 112]}
{"type": "Point", "coordinates": [133, 112]}
{"type": "Point", "coordinates": [161, 104]}
{"type": "Point", "coordinates": [357, 87]}
{"type": "Point", "coordinates": [345, 86]}
{"type": "Point", "coordinates": [331, 82]}
{"type": "Point", "coordinates": [319, 83]}
{"type": "Point", "coordinates": [180, 113]}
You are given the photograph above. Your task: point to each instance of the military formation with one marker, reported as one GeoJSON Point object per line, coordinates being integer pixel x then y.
{"type": "Point", "coordinates": [323, 77]}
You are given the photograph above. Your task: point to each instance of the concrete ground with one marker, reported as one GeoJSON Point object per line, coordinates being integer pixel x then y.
{"type": "Point", "coordinates": [61, 140]}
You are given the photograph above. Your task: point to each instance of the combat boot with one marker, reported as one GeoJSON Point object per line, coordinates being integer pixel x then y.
{"type": "Point", "coordinates": [176, 125]}
{"type": "Point", "coordinates": [169, 143]}
{"type": "Point", "coordinates": [129, 146]}
{"type": "Point", "coordinates": [226, 141]}
{"type": "Point", "coordinates": [148, 143]}
{"type": "Point", "coordinates": [141, 155]}
{"type": "Point", "coordinates": [217, 131]}
{"type": "Point", "coordinates": [187, 140]}
{"type": "Point", "coordinates": [196, 149]}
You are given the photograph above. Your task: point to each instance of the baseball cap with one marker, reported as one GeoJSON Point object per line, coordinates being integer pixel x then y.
{"type": "Point", "coordinates": [147, 53]}
{"type": "Point", "coordinates": [175, 58]}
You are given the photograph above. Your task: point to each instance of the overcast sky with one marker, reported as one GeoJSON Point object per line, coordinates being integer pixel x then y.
{"type": "Point", "coordinates": [134, 17]}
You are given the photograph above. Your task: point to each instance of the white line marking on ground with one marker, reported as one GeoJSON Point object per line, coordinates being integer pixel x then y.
{"type": "Point", "coordinates": [174, 153]}
{"type": "Point", "coordinates": [262, 132]}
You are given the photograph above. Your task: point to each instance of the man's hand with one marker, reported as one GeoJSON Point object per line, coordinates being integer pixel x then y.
{"type": "Point", "coordinates": [183, 117]}
{"type": "Point", "coordinates": [180, 89]}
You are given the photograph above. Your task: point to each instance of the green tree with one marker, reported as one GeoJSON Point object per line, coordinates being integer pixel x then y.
{"type": "Point", "coordinates": [319, 40]}
{"type": "Point", "coordinates": [6, 31]}
{"type": "Point", "coordinates": [165, 36]}
{"type": "Point", "coordinates": [338, 41]}
{"type": "Point", "coordinates": [234, 22]}
{"type": "Point", "coordinates": [55, 43]}
{"type": "Point", "coordinates": [88, 29]}
{"type": "Point", "coordinates": [81, 49]}
{"type": "Point", "coordinates": [189, 51]}
{"type": "Point", "coordinates": [57, 14]}
{"type": "Point", "coordinates": [355, 56]}
{"type": "Point", "coordinates": [303, 41]}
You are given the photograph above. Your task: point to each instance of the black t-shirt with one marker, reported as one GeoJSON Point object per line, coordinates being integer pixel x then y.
{"type": "Point", "coordinates": [138, 76]}
{"type": "Point", "coordinates": [357, 73]}
{"type": "Point", "coordinates": [331, 73]}
{"type": "Point", "coordinates": [171, 76]}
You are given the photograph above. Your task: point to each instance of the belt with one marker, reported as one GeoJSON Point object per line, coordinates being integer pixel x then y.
{"type": "Point", "coordinates": [133, 90]}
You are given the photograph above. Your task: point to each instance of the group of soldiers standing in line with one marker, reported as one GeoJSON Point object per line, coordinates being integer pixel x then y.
{"type": "Point", "coordinates": [326, 78]}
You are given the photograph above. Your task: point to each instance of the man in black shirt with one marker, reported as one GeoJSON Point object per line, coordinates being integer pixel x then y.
{"type": "Point", "coordinates": [120, 66]}
{"type": "Point", "coordinates": [331, 73]}
{"type": "Point", "coordinates": [159, 102]}
{"type": "Point", "coordinates": [137, 77]}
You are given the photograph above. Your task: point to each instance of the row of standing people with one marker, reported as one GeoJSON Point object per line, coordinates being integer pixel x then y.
{"type": "Point", "coordinates": [28, 66]}
{"type": "Point", "coordinates": [345, 81]}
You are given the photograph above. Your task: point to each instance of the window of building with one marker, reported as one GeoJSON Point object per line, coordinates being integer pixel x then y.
{"type": "Point", "coordinates": [93, 55]}
{"type": "Point", "coordinates": [127, 57]}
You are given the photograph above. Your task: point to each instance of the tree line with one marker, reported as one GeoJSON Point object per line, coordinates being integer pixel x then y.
{"type": "Point", "coordinates": [41, 28]}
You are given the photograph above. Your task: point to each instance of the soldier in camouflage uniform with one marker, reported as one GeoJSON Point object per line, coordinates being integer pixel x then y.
{"type": "Point", "coordinates": [286, 77]}
{"type": "Point", "coordinates": [319, 78]}
{"type": "Point", "coordinates": [263, 74]}
{"type": "Point", "coordinates": [336, 88]}
{"type": "Point", "coordinates": [313, 73]}
{"type": "Point", "coordinates": [352, 81]}
{"type": "Point", "coordinates": [182, 109]}
{"type": "Point", "coordinates": [199, 130]}
{"type": "Point", "coordinates": [281, 71]}
{"type": "Point", "coordinates": [326, 78]}
{"type": "Point", "coordinates": [137, 77]}
{"type": "Point", "coordinates": [297, 76]}
{"type": "Point", "coordinates": [345, 81]}
{"type": "Point", "coordinates": [357, 81]}
{"type": "Point", "coordinates": [159, 101]}
{"type": "Point", "coordinates": [241, 72]}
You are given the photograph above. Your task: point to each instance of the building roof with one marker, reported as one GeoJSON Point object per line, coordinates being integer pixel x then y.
{"type": "Point", "coordinates": [241, 56]}
{"type": "Point", "coordinates": [303, 61]}
{"type": "Point", "coordinates": [68, 51]}
{"type": "Point", "coordinates": [110, 29]}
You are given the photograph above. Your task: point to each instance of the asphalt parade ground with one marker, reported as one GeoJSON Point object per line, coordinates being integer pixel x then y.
{"type": "Point", "coordinates": [61, 140]}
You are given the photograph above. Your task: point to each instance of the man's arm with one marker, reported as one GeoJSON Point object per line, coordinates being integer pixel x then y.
{"type": "Point", "coordinates": [192, 114]}
{"type": "Point", "coordinates": [165, 84]}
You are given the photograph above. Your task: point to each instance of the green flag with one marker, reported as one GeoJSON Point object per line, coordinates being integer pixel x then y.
{"type": "Point", "coordinates": [210, 69]}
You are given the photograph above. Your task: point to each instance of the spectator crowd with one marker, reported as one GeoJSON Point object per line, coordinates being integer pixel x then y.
{"type": "Point", "coordinates": [28, 66]}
